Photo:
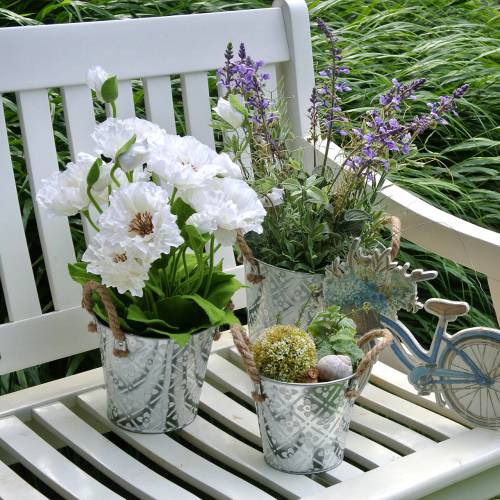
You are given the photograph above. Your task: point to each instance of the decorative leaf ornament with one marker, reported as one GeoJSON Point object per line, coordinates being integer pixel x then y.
{"type": "Point", "coordinates": [373, 279]}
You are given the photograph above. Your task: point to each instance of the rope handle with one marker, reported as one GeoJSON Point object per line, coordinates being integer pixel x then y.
{"type": "Point", "coordinates": [254, 277]}
{"type": "Point", "coordinates": [395, 223]}
{"type": "Point", "coordinates": [120, 347]}
{"type": "Point", "coordinates": [244, 346]}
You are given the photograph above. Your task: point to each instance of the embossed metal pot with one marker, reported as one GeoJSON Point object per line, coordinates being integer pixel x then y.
{"type": "Point", "coordinates": [276, 295]}
{"type": "Point", "coordinates": [156, 388]}
{"type": "Point", "coordinates": [304, 426]}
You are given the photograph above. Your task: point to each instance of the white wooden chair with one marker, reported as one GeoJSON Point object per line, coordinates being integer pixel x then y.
{"type": "Point", "coordinates": [400, 445]}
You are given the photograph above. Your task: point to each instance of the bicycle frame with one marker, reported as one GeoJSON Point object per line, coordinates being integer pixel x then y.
{"type": "Point", "coordinates": [427, 372]}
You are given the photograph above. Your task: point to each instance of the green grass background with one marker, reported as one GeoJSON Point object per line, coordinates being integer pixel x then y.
{"type": "Point", "coordinates": [458, 168]}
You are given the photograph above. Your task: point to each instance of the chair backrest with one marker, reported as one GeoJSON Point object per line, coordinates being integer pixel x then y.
{"type": "Point", "coordinates": [39, 58]}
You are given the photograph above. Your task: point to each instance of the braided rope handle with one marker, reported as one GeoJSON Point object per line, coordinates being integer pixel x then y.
{"type": "Point", "coordinates": [120, 347]}
{"type": "Point", "coordinates": [371, 356]}
{"type": "Point", "coordinates": [395, 223]}
{"type": "Point", "coordinates": [255, 277]}
{"type": "Point", "coordinates": [244, 346]}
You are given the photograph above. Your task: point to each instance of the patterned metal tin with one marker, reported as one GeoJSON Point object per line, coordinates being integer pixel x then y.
{"type": "Point", "coordinates": [157, 387]}
{"type": "Point", "coordinates": [280, 297]}
{"type": "Point", "coordinates": [304, 426]}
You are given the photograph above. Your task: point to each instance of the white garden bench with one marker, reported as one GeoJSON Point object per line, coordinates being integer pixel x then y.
{"type": "Point", "coordinates": [401, 445]}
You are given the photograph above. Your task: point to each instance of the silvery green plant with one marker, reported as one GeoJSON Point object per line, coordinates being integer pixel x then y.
{"type": "Point", "coordinates": [314, 211]}
{"type": "Point", "coordinates": [160, 205]}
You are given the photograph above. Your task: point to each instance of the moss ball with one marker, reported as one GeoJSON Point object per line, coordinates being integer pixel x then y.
{"type": "Point", "coordinates": [284, 353]}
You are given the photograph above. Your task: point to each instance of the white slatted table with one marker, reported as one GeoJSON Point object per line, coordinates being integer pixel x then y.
{"type": "Point", "coordinates": [395, 449]}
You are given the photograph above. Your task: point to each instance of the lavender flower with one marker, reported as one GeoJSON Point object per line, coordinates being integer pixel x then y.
{"type": "Point", "coordinates": [400, 92]}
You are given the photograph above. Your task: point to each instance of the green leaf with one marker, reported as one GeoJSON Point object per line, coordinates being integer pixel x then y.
{"type": "Point", "coordinates": [109, 89]}
{"type": "Point", "coordinates": [216, 315]}
{"type": "Point", "coordinates": [236, 104]}
{"type": "Point", "coordinates": [93, 175]}
{"type": "Point", "coordinates": [194, 238]}
{"type": "Point", "coordinates": [79, 273]}
{"type": "Point", "coordinates": [136, 314]}
{"type": "Point", "coordinates": [318, 195]}
{"type": "Point", "coordinates": [182, 210]}
{"type": "Point", "coordinates": [222, 290]}
{"type": "Point", "coordinates": [124, 149]}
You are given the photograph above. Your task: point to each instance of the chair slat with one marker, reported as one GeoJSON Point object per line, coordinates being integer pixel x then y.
{"type": "Point", "coordinates": [80, 122]}
{"type": "Point", "coordinates": [106, 456]}
{"type": "Point", "coordinates": [18, 282]}
{"type": "Point", "coordinates": [41, 160]}
{"type": "Point", "coordinates": [125, 107]}
{"type": "Point", "coordinates": [174, 457]}
{"type": "Point", "coordinates": [362, 450]}
{"type": "Point", "coordinates": [426, 471]}
{"type": "Point", "coordinates": [245, 459]}
{"type": "Point", "coordinates": [158, 102]}
{"type": "Point", "coordinates": [44, 338]}
{"type": "Point", "coordinates": [197, 110]}
{"type": "Point", "coordinates": [48, 464]}
{"type": "Point", "coordinates": [407, 413]}
{"type": "Point", "coordinates": [13, 487]}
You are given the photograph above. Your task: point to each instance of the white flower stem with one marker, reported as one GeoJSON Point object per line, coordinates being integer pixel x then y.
{"type": "Point", "coordinates": [93, 200]}
{"type": "Point", "coordinates": [112, 174]}
{"type": "Point", "coordinates": [211, 268]}
{"type": "Point", "coordinates": [113, 109]}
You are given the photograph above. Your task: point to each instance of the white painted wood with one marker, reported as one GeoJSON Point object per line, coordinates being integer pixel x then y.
{"type": "Point", "coordinates": [424, 472]}
{"type": "Point", "coordinates": [358, 448]}
{"type": "Point", "coordinates": [18, 282]}
{"type": "Point", "coordinates": [158, 102]}
{"type": "Point", "coordinates": [41, 161]}
{"type": "Point", "coordinates": [395, 382]}
{"type": "Point", "coordinates": [175, 458]}
{"type": "Point", "coordinates": [197, 111]}
{"type": "Point", "coordinates": [43, 338]}
{"type": "Point", "coordinates": [48, 464]}
{"type": "Point", "coordinates": [125, 107]}
{"type": "Point", "coordinates": [124, 470]}
{"type": "Point", "coordinates": [80, 122]}
{"type": "Point", "coordinates": [60, 54]}
{"type": "Point", "coordinates": [494, 286]}
{"type": "Point", "coordinates": [407, 413]}
{"type": "Point", "coordinates": [298, 71]}
{"type": "Point", "coordinates": [13, 487]}
{"type": "Point", "coordinates": [245, 459]}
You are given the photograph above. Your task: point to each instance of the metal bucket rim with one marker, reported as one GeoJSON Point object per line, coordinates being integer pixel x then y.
{"type": "Point", "coordinates": [289, 270]}
{"type": "Point", "coordinates": [152, 339]}
{"type": "Point", "coordinates": [309, 384]}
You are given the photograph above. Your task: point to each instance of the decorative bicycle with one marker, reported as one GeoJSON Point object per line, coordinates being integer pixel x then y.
{"type": "Point", "coordinates": [462, 369]}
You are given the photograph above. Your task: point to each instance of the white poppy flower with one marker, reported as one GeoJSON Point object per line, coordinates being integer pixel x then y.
{"type": "Point", "coordinates": [96, 77]}
{"type": "Point", "coordinates": [139, 217]}
{"type": "Point", "coordinates": [186, 163]}
{"type": "Point", "coordinates": [228, 113]}
{"type": "Point", "coordinates": [273, 198]}
{"type": "Point", "coordinates": [226, 206]}
{"type": "Point", "coordinates": [112, 134]}
{"type": "Point", "coordinates": [65, 192]}
{"type": "Point", "coordinates": [126, 270]}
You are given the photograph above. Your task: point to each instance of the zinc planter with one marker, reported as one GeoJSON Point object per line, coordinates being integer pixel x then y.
{"type": "Point", "coordinates": [280, 296]}
{"type": "Point", "coordinates": [304, 426]}
{"type": "Point", "coordinates": [156, 387]}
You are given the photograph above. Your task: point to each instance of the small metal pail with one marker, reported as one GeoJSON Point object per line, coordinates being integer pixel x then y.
{"type": "Point", "coordinates": [304, 426]}
{"type": "Point", "coordinates": [280, 296]}
{"type": "Point", "coordinates": [157, 387]}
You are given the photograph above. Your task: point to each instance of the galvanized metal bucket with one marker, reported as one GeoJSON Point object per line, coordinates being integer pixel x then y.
{"type": "Point", "coordinates": [304, 426]}
{"type": "Point", "coordinates": [280, 296]}
{"type": "Point", "coordinates": [156, 387]}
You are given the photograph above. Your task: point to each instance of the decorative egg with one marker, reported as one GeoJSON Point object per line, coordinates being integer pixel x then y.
{"type": "Point", "coordinates": [334, 367]}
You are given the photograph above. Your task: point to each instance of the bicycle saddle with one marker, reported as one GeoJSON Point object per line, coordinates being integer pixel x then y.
{"type": "Point", "coordinates": [448, 309]}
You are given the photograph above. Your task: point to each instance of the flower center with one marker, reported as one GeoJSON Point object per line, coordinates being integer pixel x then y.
{"type": "Point", "coordinates": [119, 257]}
{"type": "Point", "coordinates": [194, 167]}
{"type": "Point", "coordinates": [141, 224]}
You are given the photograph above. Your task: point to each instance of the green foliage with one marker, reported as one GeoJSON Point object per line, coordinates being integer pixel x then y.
{"type": "Point", "coordinates": [333, 333]}
{"type": "Point", "coordinates": [284, 353]}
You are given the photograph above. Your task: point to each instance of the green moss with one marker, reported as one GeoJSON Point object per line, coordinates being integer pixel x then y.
{"type": "Point", "coordinates": [284, 353]}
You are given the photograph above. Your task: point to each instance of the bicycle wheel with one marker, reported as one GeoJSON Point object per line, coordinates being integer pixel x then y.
{"type": "Point", "coordinates": [478, 404]}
